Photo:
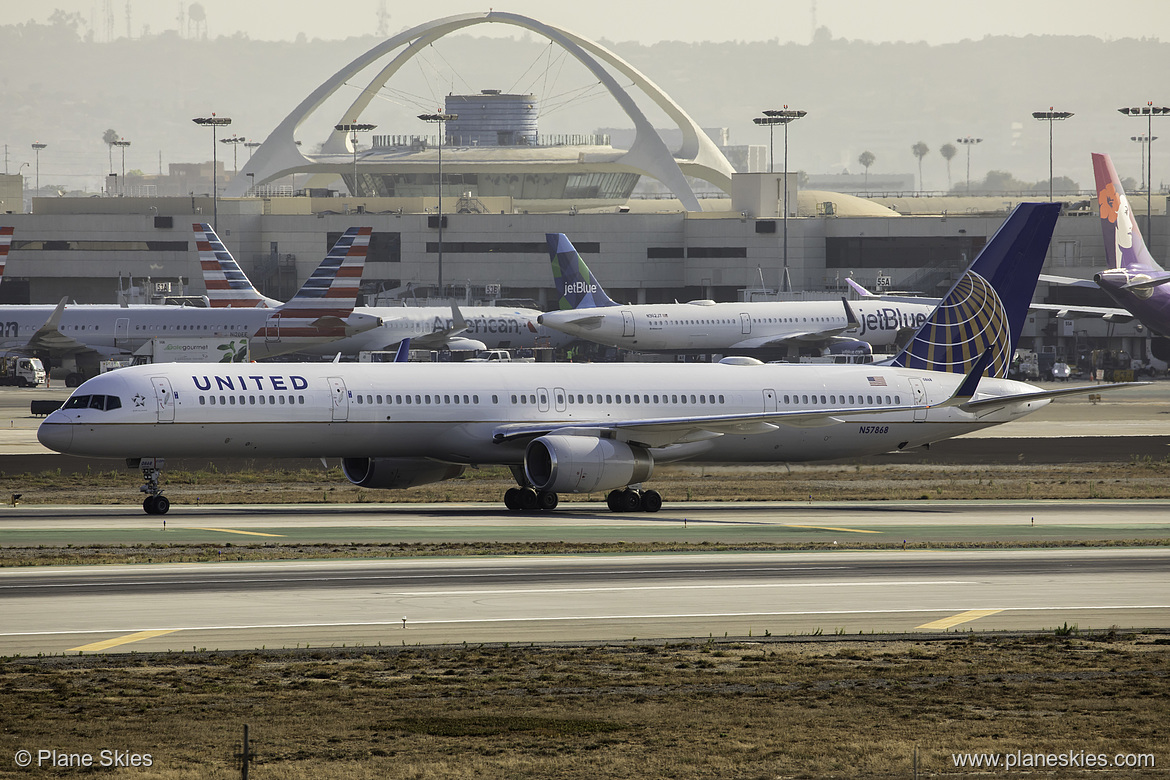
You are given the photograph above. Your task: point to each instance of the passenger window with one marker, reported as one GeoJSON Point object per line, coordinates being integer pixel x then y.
{"type": "Point", "coordinates": [359, 398]}
{"type": "Point", "coordinates": [281, 397]}
{"type": "Point", "coordinates": [222, 401]}
{"type": "Point", "coordinates": [271, 400]}
{"type": "Point", "coordinates": [202, 400]}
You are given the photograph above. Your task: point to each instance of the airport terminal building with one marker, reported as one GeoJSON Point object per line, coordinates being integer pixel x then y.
{"type": "Point", "coordinates": [503, 185]}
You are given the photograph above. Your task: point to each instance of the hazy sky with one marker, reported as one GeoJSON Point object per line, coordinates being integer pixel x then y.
{"type": "Point", "coordinates": [647, 21]}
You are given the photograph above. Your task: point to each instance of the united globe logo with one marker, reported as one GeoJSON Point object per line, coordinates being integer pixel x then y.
{"type": "Point", "coordinates": [968, 322]}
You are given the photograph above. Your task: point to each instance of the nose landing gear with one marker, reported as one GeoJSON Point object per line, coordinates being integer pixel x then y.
{"type": "Point", "coordinates": [155, 502]}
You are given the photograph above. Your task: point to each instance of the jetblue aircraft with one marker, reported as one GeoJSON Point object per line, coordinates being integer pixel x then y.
{"type": "Point", "coordinates": [428, 327]}
{"type": "Point", "coordinates": [845, 328]}
{"type": "Point", "coordinates": [83, 334]}
{"type": "Point", "coordinates": [582, 428]}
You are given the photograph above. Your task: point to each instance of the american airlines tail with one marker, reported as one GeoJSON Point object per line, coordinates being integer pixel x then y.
{"type": "Point", "coordinates": [329, 295]}
{"type": "Point", "coordinates": [227, 285]}
{"type": "Point", "coordinates": [985, 309]}
{"type": "Point", "coordinates": [5, 243]}
{"type": "Point", "coordinates": [579, 287]}
{"type": "Point", "coordinates": [1124, 247]}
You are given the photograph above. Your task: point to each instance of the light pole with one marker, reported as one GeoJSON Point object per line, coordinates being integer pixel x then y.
{"type": "Point", "coordinates": [122, 143]}
{"type": "Point", "coordinates": [213, 121]}
{"type": "Point", "coordinates": [1050, 116]}
{"type": "Point", "coordinates": [784, 116]}
{"type": "Point", "coordinates": [353, 129]}
{"type": "Point", "coordinates": [251, 147]}
{"type": "Point", "coordinates": [235, 141]}
{"type": "Point", "coordinates": [1143, 139]}
{"type": "Point", "coordinates": [968, 141]}
{"type": "Point", "coordinates": [439, 119]}
{"type": "Point", "coordinates": [1149, 111]}
{"type": "Point", "coordinates": [37, 148]}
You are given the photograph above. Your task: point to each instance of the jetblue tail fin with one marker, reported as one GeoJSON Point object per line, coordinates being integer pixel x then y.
{"type": "Point", "coordinates": [226, 284]}
{"type": "Point", "coordinates": [1124, 247]}
{"type": "Point", "coordinates": [5, 243]}
{"type": "Point", "coordinates": [985, 309]}
{"type": "Point", "coordinates": [578, 287]}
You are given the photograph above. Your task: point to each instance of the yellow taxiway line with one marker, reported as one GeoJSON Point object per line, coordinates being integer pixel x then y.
{"type": "Point", "coordinates": [962, 617]}
{"type": "Point", "coordinates": [234, 531]}
{"type": "Point", "coordinates": [830, 528]}
{"type": "Point", "coordinates": [122, 640]}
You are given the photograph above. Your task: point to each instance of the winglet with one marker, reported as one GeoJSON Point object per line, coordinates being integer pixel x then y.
{"type": "Point", "coordinates": [403, 353]}
{"type": "Point", "coordinates": [578, 286]}
{"type": "Point", "coordinates": [857, 288]}
{"type": "Point", "coordinates": [970, 383]}
{"type": "Point", "coordinates": [850, 317]}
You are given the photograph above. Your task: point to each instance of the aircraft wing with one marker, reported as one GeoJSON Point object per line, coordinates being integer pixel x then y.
{"type": "Point", "coordinates": [803, 337]}
{"type": "Point", "coordinates": [1062, 311]}
{"type": "Point", "coordinates": [49, 337]}
{"type": "Point", "coordinates": [1068, 281]}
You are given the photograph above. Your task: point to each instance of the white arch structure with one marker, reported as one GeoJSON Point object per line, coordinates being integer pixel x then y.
{"type": "Point", "coordinates": [699, 157]}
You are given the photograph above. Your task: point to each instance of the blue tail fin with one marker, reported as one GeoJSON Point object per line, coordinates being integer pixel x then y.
{"type": "Point", "coordinates": [578, 287]}
{"type": "Point", "coordinates": [986, 308]}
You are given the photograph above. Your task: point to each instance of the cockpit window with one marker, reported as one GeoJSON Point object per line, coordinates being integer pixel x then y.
{"type": "Point", "coordinates": [102, 402]}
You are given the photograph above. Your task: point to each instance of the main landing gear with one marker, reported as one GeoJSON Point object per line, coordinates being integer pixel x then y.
{"type": "Point", "coordinates": [528, 499]}
{"type": "Point", "coordinates": [155, 502]}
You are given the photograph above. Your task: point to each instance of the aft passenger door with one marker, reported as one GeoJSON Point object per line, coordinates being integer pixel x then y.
{"type": "Point", "coordinates": [919, 390]}
{"type": "Point", "coordinates": [745, 324]}
{"type": "Point", "coordinates": [769, 400]}
{"type": "Point", "coordinates": [121, 331]}
{"type": "Point", "coordinates": [627, 323]}
{"type": "Point", "coordinates": [272, 328]}
{"type": "Point", "coordinates": [164, 397]}
{"type": "Point", "coordinates": [340, 398]}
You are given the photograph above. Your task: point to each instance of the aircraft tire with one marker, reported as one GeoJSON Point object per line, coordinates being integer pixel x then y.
{"type": "Point", "coordinates": [148, 505]}
{"type": "Point", "coordinates": [547, 500]}
{"type": "Point", "coordinates": [613, 500]}
{"type": "Point", "coordinates": [74, 380]}
{"type": "Point", "coordinates": [162, 505]}
{"type": "Point", "coordinates": [651, 501]}
{"type": "Point", "coordinates": [629, 501]}
{"type": "Point", "coordinates": [512, 499]}
{"type": "Point", "coordinates": [528, 500]}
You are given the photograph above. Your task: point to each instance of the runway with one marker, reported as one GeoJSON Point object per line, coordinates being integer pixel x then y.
{"type": "Point", "coordinates": [576, 599]}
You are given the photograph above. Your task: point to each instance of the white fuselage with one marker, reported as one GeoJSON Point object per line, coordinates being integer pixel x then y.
{"type": "Point", "coordinates": [712, 326]}
{"type": "Point", "coordinates": [493, 327]}
{"type": "Point", "coordinates": [112, 330]}
{"type": "Point", "coordinates": [454, 412]}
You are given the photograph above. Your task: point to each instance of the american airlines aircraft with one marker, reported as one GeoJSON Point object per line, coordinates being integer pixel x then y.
{"type": "Point", "coordinates": [83, 334]}
{"type": "Point", "coordinates": [582, 428]}
{"type": "Point", "coordinates": [845, 328]}
{"type": "Point", "coordinates": [428, 327]}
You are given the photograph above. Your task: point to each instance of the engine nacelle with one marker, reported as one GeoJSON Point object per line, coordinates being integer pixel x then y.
{"type": "Point", "coordinates": [391, 473]}
{"type": "Point", "coordinates": [583, 464]}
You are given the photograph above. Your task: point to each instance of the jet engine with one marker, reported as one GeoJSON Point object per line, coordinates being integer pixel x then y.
{"type": "Point", "coordinates": [392, 473]}
{"type": "Point", "coordinates": [849, 348]}
{"type": "Point", "coordinates": [583, 464]}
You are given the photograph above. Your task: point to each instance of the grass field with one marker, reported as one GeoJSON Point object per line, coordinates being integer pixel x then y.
{"type": "Point", "coordinates": [764, 708]}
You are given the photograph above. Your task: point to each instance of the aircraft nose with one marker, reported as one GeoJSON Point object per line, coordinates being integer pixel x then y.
{"type": "Point", "coordinates": [56, 434]}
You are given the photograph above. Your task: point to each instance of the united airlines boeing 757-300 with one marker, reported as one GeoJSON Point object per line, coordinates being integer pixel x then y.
{"type": "Point", "coordinates": [582, 428]}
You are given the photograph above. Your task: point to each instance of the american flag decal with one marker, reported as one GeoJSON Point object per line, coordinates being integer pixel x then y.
{"type": "Point", "coordinates": [876, 381]}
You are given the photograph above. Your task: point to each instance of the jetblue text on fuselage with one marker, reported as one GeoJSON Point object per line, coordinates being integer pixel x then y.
{"type": "Point", "coordinates": [251, 382]}
{"type": "Point", "coordinates": [890, 319]}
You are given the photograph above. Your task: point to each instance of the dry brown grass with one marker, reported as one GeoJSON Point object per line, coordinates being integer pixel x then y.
{"type": "Point", "coordinates": [1139, 478]}
{"type": "Point", "coordinates": [755, 709]}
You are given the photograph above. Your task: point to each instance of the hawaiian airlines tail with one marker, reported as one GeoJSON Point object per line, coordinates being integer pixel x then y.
{"type": "Point", "coordinates": [985, 309]}
{"type": "Point", "coordinates": [1124, 247]}
{"type": "Point", "coordinates": [226, 283]}
{"type": "Point", "coordinates": [5, 243]}
{"type": "Point", "coordinates": [579, 288]}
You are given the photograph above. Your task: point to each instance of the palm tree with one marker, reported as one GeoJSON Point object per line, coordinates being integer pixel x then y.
{"type": "Point", "coordinates": [866, 159]}
{"type": "Point", "coordinates": [108, 139]}
{"type": "Point", "coordinates": [920, 150]}
{"type": "Point", "coordinates": [948, 151]}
